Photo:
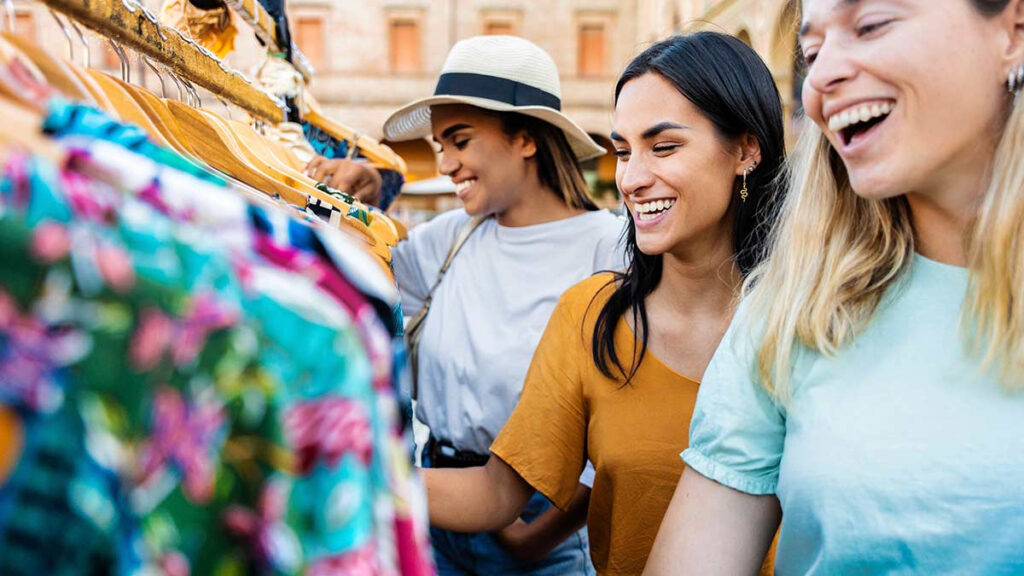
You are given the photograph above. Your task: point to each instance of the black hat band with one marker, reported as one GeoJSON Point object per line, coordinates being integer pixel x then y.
{"type": "Point", "coordinates": [494, 88]}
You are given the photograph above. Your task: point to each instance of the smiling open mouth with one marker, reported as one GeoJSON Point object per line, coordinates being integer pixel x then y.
{"type": "Point", "coordinates": [650, 210]}
{"type": "Point", "coordinates": [854, 122]}
{"type": "Point", "coordinates": [461, 187]}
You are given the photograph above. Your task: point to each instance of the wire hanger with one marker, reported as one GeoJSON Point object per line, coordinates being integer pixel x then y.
{"type": "Point", "coordinates": [229, 147]}
{"type": "Point", "coordinates": [9, 15]}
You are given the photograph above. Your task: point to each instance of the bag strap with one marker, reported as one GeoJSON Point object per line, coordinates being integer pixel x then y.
{"type": "Point", "coordinates": [415, 324]}
{"type": "Point", "coordinates": [460, 240]}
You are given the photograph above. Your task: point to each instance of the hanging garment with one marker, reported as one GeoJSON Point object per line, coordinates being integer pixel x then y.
{"type": "Point", "coordinates": [210, 26]}
{"type": "Point", "coordinates": [278, 76]}
{"type": "Point", "coordinates": [190, 382]}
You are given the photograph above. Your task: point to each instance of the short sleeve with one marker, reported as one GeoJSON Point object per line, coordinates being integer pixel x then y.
{"type": "Point", "coordinates": [737, 431]}
{"type": "Point", "coordinates": [544, 439]}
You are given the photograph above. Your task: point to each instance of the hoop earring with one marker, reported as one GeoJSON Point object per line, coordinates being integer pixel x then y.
{"type": "Point", "coordinates": [1016, 80]}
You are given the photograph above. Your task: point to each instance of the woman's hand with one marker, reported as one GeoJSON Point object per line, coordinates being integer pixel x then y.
{"type": "Point", "coordinates": [532, 542]}
{"type": "Point", "coordinates": [359, 179]}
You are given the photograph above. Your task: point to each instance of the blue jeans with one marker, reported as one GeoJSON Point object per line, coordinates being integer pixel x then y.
{"type": "Point", "coordinates": [460, 554]}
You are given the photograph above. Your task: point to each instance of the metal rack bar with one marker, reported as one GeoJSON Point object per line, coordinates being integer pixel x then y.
{"type": "Point", "coordinates": [130, 25]}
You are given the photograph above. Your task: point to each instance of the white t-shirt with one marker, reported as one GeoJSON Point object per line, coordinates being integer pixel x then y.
{"type": "Point", "coordinates": [490, 310]}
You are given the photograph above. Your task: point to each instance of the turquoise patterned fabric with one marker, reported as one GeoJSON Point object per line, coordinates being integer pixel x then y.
{"type": "Point", "coordinates": [186, 390]}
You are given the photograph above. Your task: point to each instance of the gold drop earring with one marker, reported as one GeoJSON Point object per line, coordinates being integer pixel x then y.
{"type": "Point", "coordinates": [743, 190]}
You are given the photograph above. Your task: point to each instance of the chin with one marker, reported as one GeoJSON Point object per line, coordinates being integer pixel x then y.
{"type": "Point", "coordinates": [473, 209]}
{"type": "Point", "coordinates": [651, 248]}
{"type": "Point", "coordinates": [876, 185]}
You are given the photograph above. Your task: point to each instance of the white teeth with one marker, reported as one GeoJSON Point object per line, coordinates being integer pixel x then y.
{"type": "Point", "coordinates": [461, 186]}
{"type": "Point", "coordinates": [646, 211]}
{"type": "Point", "coordinates": [861, 113]}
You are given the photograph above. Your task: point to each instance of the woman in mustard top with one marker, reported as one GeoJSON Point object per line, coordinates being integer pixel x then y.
{"type": "Point", "coordinates": [699, 139]}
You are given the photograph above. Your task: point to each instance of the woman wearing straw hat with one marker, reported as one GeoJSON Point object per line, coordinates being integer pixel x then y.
{"type": "Point", "coordinates": [528, 232]}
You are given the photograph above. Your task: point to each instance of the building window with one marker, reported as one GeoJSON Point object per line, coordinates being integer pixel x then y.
{"type": "Point", "coordinates": [591, 58]}
{"type": "Point", "coordinates": [25, 24]}
{"type": "Point", "coordinates": [111, 61]}
{"type": "Point", "coordinates": [309, 37]}
{"type": "Point", "coordinates": [499, 28]}
{"type": "Point", "coordinates": [405, 46]}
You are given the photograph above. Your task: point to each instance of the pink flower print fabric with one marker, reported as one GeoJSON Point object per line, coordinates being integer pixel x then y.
{"type": "Point", "coordinates": [186, 437]}
{"type": "Point", "coordinates": [359, 562]}
{"type": "Point", "coordinates": [327, 430]}
{"type": "Point", "coordinates": [158, 333]}
{"type": "Point", "coordinates": [32, 356]}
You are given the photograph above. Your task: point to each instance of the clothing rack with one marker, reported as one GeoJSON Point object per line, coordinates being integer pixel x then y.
{"type": "Point", "coordinates": [257, 17]}
{"type": "Point", "coordinates": [130, 24]}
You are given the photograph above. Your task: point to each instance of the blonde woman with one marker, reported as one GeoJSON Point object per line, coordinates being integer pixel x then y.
{"type": "Point", "coordinates": [870, 384]}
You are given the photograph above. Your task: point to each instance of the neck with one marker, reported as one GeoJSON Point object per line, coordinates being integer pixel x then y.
{"type": "Point", "coordinates": [941, 217]}
{"type": "Point", "coordinates": [702, 281]}
{"type": "Point", "coordinates": [943, 209]}
{"type": "Point", "coordinates": [537, 204]}
{"type": "Point", "coordinates": [939, 230]}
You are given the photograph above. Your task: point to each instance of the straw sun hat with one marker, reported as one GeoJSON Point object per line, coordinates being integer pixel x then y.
{"type": "Point", "coordinates": [500, 73]}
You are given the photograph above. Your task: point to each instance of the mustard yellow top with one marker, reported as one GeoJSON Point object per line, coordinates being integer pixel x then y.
{"type": "Point", "coordinates": [569, 412]}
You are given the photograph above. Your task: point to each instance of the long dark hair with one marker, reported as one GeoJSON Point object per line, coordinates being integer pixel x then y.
{"type": "Point", "coordinates": [557, 166]}
{"type": "Point", "coordinates": [731, 86]}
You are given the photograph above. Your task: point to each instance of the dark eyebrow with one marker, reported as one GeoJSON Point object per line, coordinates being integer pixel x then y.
{"type": "Point", "coordinates": [652, 131]}
{"type": "Point", "coordinates": [452, 130]}
{"type": "Point", "coordinates": [661, 127]}
{"type": "Point", "coordinates": [807, 25]}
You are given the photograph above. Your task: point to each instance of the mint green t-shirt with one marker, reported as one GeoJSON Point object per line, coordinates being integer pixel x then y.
{"type": "Point", "coordinates": [897, 456]}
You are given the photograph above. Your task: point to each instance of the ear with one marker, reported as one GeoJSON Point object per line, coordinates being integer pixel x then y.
{"type": "Point", "coordinates": [1012, 22]}
{"type": "Point", "coordinates": [750, 153]}
{"type": "Point", "coordinates": [526, 144]}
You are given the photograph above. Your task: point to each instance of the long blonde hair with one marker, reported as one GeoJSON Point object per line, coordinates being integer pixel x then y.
{"type": "Point", "coordinates": [834, 255]}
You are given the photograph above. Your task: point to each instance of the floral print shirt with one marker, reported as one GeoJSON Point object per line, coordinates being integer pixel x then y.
{"type": "Point", "coordinates": [190, 383]}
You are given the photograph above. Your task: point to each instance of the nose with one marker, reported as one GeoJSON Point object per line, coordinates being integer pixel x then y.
{"type": "Point", "coordinates": [449, 165]}
{"type": "Point", "coordinates": [832, 67]}
{"type": "Point", "coordinates": [633, 175]}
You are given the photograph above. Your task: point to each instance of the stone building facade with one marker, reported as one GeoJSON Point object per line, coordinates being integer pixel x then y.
{"type": "Point", "coordinates": [769, 26]}
{"type": "Point", "coordinates": [373, 56]}
{"type": "Point", "coordinates": [376, 55]}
